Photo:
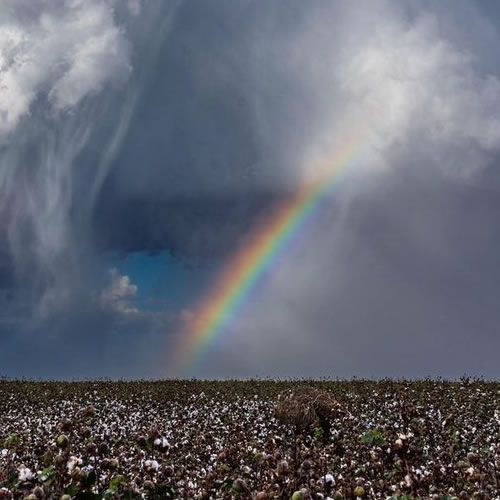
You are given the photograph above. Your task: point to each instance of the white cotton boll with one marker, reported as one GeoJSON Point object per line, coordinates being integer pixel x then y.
{"type": "Point", "coordinates": [87, 469]}
{"type": "Point", "coordinates": [73, 462]}
{"type": "Point", "coordinates": [25, 474]}
{"type": "Point", "coordinates": [329, 479]}
{"type": "Point", "coordinates": [152, 465]}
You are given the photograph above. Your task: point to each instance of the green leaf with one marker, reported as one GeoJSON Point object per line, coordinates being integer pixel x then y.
{"type": "Point", "coordinates": [319, 433]}
{"type": "Point", "coordinates": [116, 483]}
{"type": "Point", "coordinates": [73, 489]}
{"type": "Point", "coordinates": [373, 438]}
{"type": "Point", "coordinates": [12, 441]}
{"type": "Point", "coordinates": [47, 474]}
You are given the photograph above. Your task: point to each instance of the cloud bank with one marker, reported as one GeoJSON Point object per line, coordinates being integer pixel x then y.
{"type": "Point", "coordinates": [54, 57]}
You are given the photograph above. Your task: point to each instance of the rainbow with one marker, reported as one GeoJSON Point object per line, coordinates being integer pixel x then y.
{"type": "Point", "coordinates": [241, 274]}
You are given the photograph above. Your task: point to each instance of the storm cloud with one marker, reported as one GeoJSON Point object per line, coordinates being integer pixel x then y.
{"type": "Point", "coordinates": [173, 127]}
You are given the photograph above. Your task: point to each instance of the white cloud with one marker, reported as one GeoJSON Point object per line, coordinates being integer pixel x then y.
{"type": "Point", "coordinates": [58, 50]}
{"type": "Point", "coordinates": [410, 83]}
{"type": "Point", "coordinates": [119, 294]}
{"type": "Point", "coordinates": [377, 76]}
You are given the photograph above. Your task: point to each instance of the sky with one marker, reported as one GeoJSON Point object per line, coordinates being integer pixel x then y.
{"type": "Point", "coordinates": [143, 141]}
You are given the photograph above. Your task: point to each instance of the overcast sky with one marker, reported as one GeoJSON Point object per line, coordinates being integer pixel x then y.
{"type": "Point", "coordinates": [141, 140]}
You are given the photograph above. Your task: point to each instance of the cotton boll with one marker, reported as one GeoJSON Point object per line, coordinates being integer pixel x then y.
{"type": "Point", "coordinates": [329, 479]}
{"type": "Point", "coordinates": [152, 465]}
{"type": "Point", "coordinates": [25, 474]}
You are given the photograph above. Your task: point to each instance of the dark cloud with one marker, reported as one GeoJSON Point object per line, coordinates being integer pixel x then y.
{"type": "Point", "coordinates": [404, 284]}
{"type": "Point", "coordinates": [90, 335]}
{"type": "Point", "coordinates": [194, 229]}
{"type": "Point", "coordinates": [251, 117]}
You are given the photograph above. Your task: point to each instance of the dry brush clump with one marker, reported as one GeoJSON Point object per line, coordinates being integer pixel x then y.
{"type": "Point", "coordinates": [307, 408]}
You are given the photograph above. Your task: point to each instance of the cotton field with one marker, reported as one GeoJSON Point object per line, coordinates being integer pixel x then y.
{"type": "Point", "coordinates": [250, 440]}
